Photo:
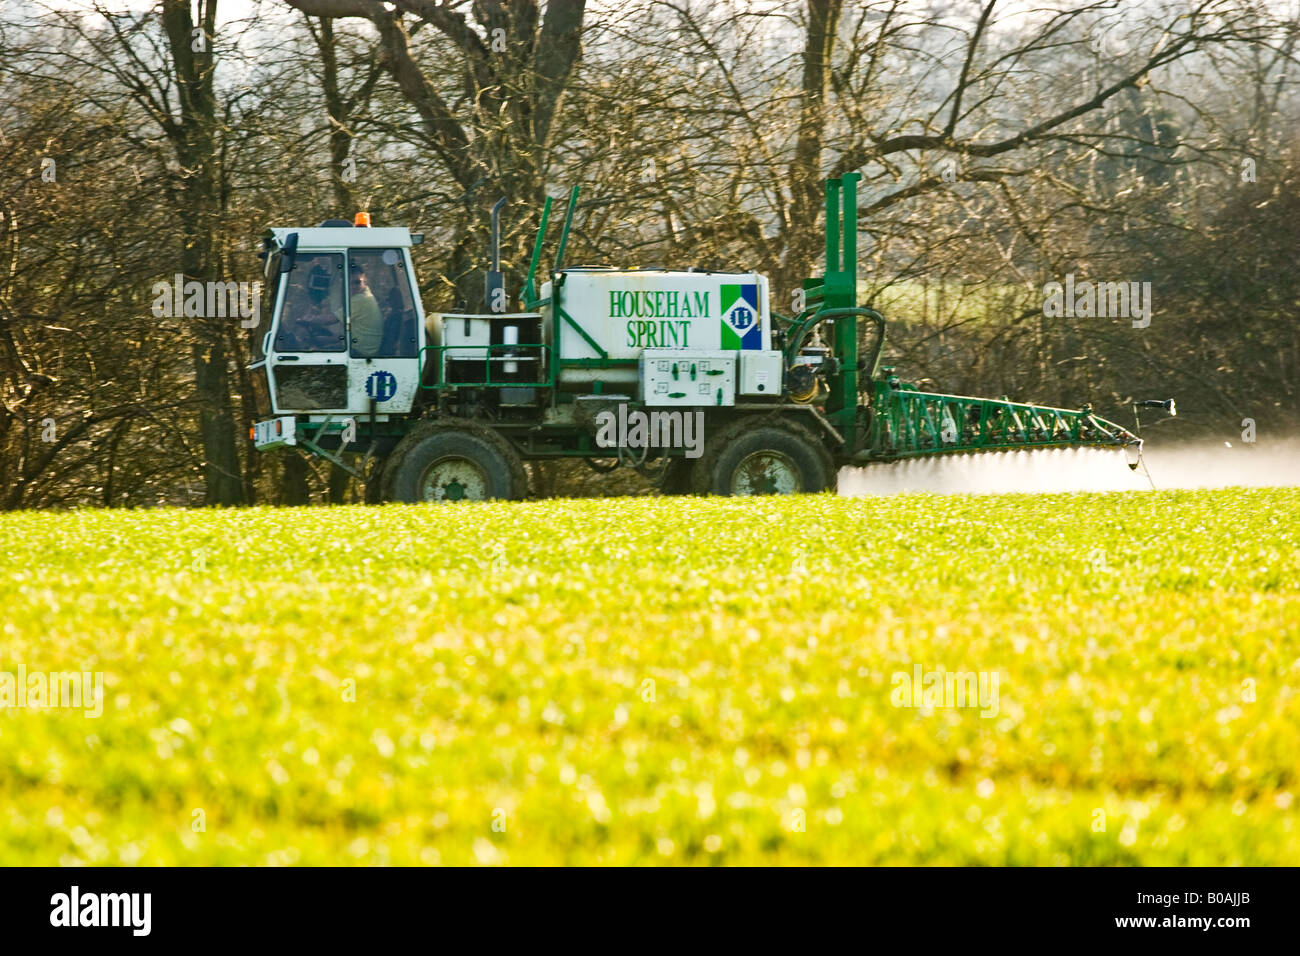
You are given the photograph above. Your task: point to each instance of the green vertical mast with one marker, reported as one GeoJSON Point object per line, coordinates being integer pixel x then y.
{"type": "Point", "coordinates": [841, 292]}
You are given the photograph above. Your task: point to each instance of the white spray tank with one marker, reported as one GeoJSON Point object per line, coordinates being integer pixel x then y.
{"type": "Point", "coordinates": [609, 316]}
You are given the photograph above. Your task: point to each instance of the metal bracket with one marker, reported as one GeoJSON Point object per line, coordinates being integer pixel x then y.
{"type": "Point", "coordinates": [335, 459]}
{"type": "Point", "coordinates": [583, 332]}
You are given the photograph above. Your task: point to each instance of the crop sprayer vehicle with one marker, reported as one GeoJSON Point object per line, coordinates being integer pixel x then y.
{"type": "Point", "coordinates": [725, 396]}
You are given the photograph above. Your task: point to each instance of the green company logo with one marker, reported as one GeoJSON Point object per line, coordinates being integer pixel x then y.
{"type": "Point", "coordinates": [659, 319]}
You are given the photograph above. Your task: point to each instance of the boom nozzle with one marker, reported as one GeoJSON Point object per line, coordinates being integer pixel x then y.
{"type": "Point", "coordinates": [1167, 405]}
{"type": "Point", "coordinates": [1133, 454]}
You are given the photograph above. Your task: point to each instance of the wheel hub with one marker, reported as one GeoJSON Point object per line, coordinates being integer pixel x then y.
{"type": "Point", "coordinates": [454, 479]}
{"type": "Point", "coordinates": [766, 473]}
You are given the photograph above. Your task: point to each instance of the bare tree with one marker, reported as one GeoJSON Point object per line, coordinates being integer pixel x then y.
{"type": "Point", "coordinates": [483, 93]}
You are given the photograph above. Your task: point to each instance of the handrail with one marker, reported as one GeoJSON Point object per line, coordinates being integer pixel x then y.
{"type": "Point", "coordinates": [439, 384]}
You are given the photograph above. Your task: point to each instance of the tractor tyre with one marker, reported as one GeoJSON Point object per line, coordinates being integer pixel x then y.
{"type": "Point", "coordinates": [764, 457]}
{"type": "Point", "coordinates": [677, 477]}
{"type": "Point", "coordinates": [444, 461]}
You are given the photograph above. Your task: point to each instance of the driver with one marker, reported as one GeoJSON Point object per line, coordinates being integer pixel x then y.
{"type": "Point", "coordinates": [367, 322]}
{"type": "Point", "coordinates": [318, 328]}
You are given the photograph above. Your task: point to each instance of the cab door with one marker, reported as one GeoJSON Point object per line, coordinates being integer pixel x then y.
{"type": "Point", "coordinates": [307, 363]}
{"type": "Point", "coordinates": [385, 321]}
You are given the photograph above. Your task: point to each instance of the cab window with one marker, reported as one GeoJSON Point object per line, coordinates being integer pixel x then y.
{"type": "Point", "coordinates": [381, 305]}
{"type": "Point", "coordinates": [312, 317]}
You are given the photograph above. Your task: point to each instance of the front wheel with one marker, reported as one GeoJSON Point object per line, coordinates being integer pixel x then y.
{"type": "Point", "coordinates": [454, 463]}
{"type": "Point", "coordinates": [764, 459]}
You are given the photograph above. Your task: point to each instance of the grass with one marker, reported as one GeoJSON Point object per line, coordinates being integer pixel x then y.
{"type": "Point", "coordinates": [660, 681]}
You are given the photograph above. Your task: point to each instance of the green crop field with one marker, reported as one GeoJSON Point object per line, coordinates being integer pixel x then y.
{"type": "Point", "coordinates": [660, 680]}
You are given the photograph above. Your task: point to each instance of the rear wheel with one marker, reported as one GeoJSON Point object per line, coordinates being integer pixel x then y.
{"type": "Point", "coordinates": [444, 462]}
{"type": "Point", "coordinates": [770, 458]}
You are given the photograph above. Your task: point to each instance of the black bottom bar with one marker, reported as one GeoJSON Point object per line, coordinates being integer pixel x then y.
{"type": "Point", "coordinates": [338, 906]}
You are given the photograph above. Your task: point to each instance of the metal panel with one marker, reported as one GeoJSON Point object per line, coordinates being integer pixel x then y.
{"type": "Point", "coordinates": [760, 373]}
{"type": "Point", "coordinates": [688, 377]}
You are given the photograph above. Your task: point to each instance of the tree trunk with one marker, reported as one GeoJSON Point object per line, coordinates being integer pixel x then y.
{"type": "Point", "coordinates": [194, 140]}
{"type": "Point", "coordinates": [294, 486]}
{"type": "Point", "coordinates": [806, 179]}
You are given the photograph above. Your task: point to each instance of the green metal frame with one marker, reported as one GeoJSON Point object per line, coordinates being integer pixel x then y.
{"type": "Point", "coordinates": [530, 285]}
{"type": "Point", "coordinates": [317, 431]}
{"type": "Point", "coordinates": [906, 423]}
{"type": "Point", "coordinates": [833, 299]}
{"type": "Point", "coordinates": [560, 317]}
{"type": "Point", "coordinates": [897, 421]}
{"type": "Point", "coordinates": [573, 324]}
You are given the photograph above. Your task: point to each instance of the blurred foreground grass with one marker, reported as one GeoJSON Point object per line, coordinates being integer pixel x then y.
{"type": "Point", "coordinates": [660, 680]}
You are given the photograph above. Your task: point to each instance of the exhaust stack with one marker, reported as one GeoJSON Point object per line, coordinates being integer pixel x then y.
{"type": "Point", "coordinates": [493, 300]}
